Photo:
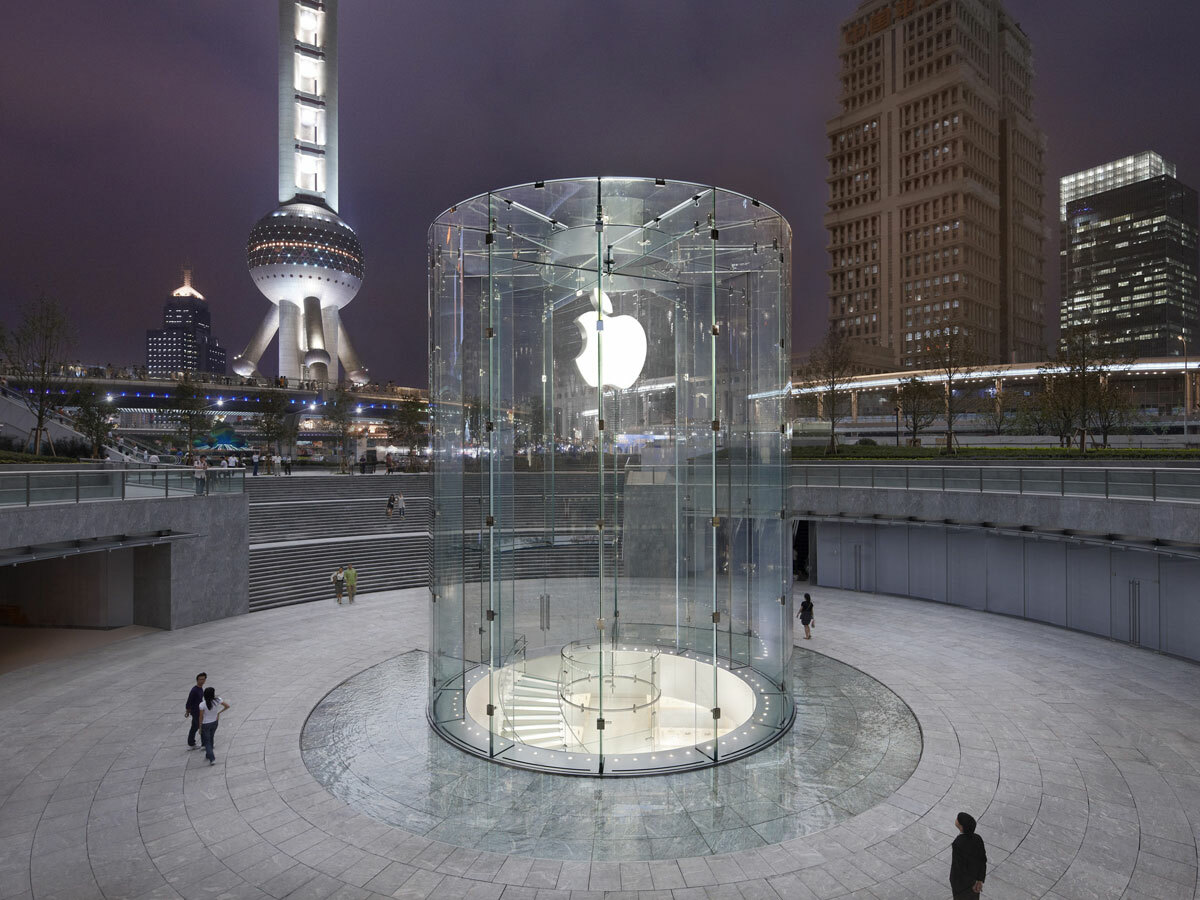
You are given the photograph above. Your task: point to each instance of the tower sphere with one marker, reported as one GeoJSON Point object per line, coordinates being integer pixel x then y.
{"type": "Point", "coordinates": [305, 250]}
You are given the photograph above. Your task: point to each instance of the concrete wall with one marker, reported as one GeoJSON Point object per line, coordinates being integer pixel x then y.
{"type": "Point", "coordinates": [1144, 597]}
{"type": "Point", "coordinates": [182, 583]}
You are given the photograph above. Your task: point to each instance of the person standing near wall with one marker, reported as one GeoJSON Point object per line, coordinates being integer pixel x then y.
{"type": "Point", "coordinates": [968, 861]}
{"type": "Point", "coordinates": [192, 708]}
{"type": "Point", "coordinates": [806, 617]}
{"type": "Point", "coordinates": [254, 461]}
{"type": "Point", "coordinates": [199, 474]}
{"type": "Point", "coordinates": [351, 581]}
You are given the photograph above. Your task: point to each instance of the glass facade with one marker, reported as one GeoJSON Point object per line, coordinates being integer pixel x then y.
{"type": "Point", "coordinates": [1129, 268]}
{"type": "Point", "coordinates": [611, 569]}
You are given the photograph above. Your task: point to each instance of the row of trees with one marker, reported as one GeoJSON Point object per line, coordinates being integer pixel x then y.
{"type": "Point", "coordinates": [37, 347]}
{"type": "Point", "coordinates": [1075, 398]}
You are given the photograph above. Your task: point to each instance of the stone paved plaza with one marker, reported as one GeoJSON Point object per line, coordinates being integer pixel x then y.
{"type": "Point", "coordinates": [1080, 758]}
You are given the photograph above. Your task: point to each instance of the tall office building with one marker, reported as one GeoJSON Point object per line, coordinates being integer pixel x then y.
{"type": "Point", "coordinates": [1129, 256]}
{"type": "Point", "coordinates": [935, 184]}
{"type": "Point", "coordinates": [185, 343]}
{"type": "Point", "coordinates": [301, 255]}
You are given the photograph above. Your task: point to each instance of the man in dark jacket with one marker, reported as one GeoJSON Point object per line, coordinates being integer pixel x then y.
{"type": "Point", "coordinates": [195, 695]}
{"type": "Point", "coordinates": [968, 864]}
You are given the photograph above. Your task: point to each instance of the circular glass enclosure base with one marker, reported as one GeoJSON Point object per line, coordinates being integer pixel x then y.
{"type": "Point", "coordinates": [616, 709]}
{"type": "Point", "coordinates": [854, 744]}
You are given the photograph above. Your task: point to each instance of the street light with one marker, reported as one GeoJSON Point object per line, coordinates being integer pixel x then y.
{"type": "Point", "coordinates": [1186, 423]}
{"type": "Point", "coordinates": [897, 424]}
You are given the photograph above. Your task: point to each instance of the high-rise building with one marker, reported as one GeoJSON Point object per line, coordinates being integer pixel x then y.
{"type": "Point", "coordinates": [185, 343]}
{"type": "Point", "coordinates": [302, 256]}
{"type": "Point", "coordinates": [935, 184]}
{"type": "Point", "coordinates": [1129, 256]}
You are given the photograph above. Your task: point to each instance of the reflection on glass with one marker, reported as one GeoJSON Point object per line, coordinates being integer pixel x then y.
{"type": "Point", "coordinates": [611, 562]}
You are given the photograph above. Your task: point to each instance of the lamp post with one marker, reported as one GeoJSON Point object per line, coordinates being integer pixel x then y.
{"type": "Point", "coordinates": [897, 424]}
{"type": "Point", "coordinates": [1186, 392]}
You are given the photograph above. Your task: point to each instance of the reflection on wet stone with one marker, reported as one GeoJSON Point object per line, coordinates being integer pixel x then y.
{"type": "Point", "coordinates": [854, 743]}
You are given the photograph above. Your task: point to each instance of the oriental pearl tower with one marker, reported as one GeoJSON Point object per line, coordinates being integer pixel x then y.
{"type": "Point", "coordinates": [302, 256]}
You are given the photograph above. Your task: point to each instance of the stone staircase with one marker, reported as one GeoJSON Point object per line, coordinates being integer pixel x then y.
{"type": "Point", "coordinates": [304, 526]}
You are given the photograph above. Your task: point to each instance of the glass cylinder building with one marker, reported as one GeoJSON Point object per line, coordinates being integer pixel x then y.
{"type": "Point", "coordinates": [611, 568]}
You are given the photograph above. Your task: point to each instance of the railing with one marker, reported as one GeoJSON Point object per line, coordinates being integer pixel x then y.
{"type": "Point", "coordinates": [33, 487]}
{"type": "Point", "coordinates": [1171, 485]}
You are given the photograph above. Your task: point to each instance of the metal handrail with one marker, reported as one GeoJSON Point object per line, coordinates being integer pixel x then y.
{"type": "Point", "coordinates": [1171, 485]}
{"type": "Point", "coordinates": [38, 486]}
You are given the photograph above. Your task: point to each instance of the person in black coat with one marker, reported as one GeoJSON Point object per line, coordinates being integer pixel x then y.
{"type": "Point", "coordinates": [968, 862]}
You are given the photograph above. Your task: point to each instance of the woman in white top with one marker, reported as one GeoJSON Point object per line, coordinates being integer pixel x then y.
{"type": "Point", "coordinates": [210, 713]}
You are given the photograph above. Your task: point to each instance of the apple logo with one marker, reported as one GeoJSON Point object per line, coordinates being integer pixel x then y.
{"type": "Point", "coordinates": [624, 346]}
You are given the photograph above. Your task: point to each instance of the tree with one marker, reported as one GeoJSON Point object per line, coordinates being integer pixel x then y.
{"type": "Point", "coordinates": [1057, 405]}
{"type": "Point", "coordinates": [951, 352]}
{"type": "Point", "coordinates": [1114, 408]}
{"type": "Point", "coordinates": [1082, 385]}
{"type": "Point", "coordinates": [829, 370]}
{"type": "Point", "coordinates": [188, 404]}
{"type": "Point", "coordinates": [37, 350]}
{"type": "Point", "coordinates": [406, 425]}
{"type": "Point", "coordinates": [919, 404]}
{"type": "Point", "coordinates": [273, 419]}
{"type": "Point", "coordinates": [91, 420]}
{"type": "Point", "coordinates": [339, 412]}
{"type": "Point", "coordinates": [997, 407]}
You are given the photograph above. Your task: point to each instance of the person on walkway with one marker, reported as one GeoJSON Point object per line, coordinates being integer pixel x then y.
{"type": "Point", "coordinates": [268, 461]}
{"type": "Point", "coordinates": [254, 460]}
{"type": "Point", "coordinates": [351, 581]}
{"type": "Point", "coordinates": [277, 460]}
{"type": "Point", "coordinates": [362, 464]}
{"type": "Point", "coordinates": [400, 504]}
{"type": "Point", "coordinates": [199, 474]}
{"type": "Point", "coordinates": [192, 708]}
{"type": "Point", "coordinates": [968, 861]}
{"type": "Point", "coordinates": [210, 712]}
{"type": "Point", "coordinates": [339, 581]}
{"type": "Point", "coordinates": [806, 617]}
{"type": "Point", "coordinates": [391, 504]}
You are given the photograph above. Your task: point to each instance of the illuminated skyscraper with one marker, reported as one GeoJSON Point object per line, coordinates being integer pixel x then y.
{"type": "Point", "coordinates": [185, 343]}
{"type": "Point", "coordinates": [302, 256]}
{"type": "Point", "coordinates": [935, 184]}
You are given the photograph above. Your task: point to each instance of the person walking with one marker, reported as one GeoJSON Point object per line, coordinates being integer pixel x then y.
{"type": "Point", "coordinates": [968, 860]}
{"type": "Point", "coordinates": [391, 504]}
{"type": "Point", "coordinates": [351, 581]}
{"type": "Point", "coordinates": [199, 474]}
{"type": "Point", "coordinates": [806, 617]}
{"type": "Point", "coordinates": [339, 581]}
{"type": "Point", "coordinates": [400, 504]}
{"type": "Point", "coordinates": [210, 712]}
{"type": "Point", "coordinates": [192, 708]}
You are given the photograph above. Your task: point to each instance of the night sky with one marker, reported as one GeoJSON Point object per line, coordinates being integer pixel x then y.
{"type": "Point", "coordinates": [137, 135]}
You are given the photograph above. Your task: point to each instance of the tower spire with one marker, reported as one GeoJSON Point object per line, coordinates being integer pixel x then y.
{"type": "Point", "coordinates": [302, 256]}
{"type": "Point", "coordinates": [308, 101]}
